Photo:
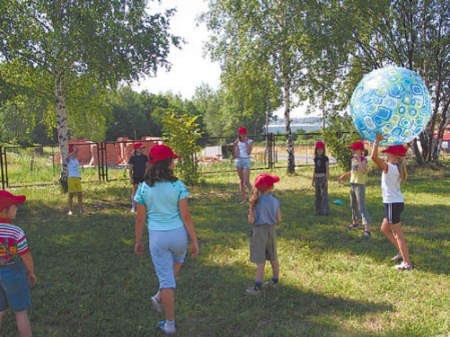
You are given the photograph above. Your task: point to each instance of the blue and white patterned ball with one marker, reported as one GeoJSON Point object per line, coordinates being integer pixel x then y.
{"type": "Point", "coordinates": [392, 101]}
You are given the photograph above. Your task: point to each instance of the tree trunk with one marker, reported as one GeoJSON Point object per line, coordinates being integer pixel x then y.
{"type": "Point", "coordinates": [61, 126]}
{"type": "Point", "coordinates": [287, 118]}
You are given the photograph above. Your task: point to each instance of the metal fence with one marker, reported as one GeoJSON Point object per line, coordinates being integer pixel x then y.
{"type": "Point", "coordinates": [107, 161]}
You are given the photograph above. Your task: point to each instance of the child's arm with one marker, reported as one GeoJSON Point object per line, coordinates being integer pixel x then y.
{"type": "Point", "coordinates": [313, 179]}
{"type": "Point", "coordinates": [251, 216]}
{"type": "Point", "coordinates": [327, 171]}
{"type": "Point", "coordinates": [139, 229]}
{"type": "Point", "coordinates": [344, 176]}
{"type": "Point", "coordinates": [187, 220]}
{"type": "Point", "coordinates": [279, 216]}
{"type": "Point", "coordinates": [380, 163]}
{"type": "Point", "coordinates": [249, 147]}
{"type": "Point", "coordinates": [28, 262]}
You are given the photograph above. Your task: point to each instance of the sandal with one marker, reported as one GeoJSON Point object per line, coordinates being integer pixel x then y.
{"type": "Point", "coordinates": [353, 226]}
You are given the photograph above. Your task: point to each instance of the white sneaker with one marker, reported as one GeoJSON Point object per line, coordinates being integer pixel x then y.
{"type": "Point", "coordinates": [253, 290]}
{"type": "Point", "coordinates": [397, 258]}
{"type": "Point", "coordinates": [403, 266]}
{"type": "Point", "coordinates": [133, 210]}
{"type": "Point", "coordinates": [156, 303]}
{"type": "Point", "coordinates": [69, 213]}
{"type": "Point", "coordinates": [168, 329]}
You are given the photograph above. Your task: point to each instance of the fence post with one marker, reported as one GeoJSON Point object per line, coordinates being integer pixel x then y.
{"type": "Point", "coordinates": [101, 160]}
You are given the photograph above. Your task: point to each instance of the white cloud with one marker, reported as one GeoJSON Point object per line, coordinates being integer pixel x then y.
{"type": "Point", "coordinates": [190, 68]}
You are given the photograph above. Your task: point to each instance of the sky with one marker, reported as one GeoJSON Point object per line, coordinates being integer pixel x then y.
{"type": "Point", "coordinates": [190, 65]}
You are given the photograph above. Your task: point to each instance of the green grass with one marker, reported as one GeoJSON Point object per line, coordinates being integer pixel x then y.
{"type": "Point", "coordinates": [332, 283]}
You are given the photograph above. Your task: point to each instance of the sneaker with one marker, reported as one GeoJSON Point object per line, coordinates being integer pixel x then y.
{"type": "Point", "coordinates": [366, 235]}
{"type": "Point", "coordinates": [403, 266]}
{"type": "Point", "coordinates": [253, 290]}
{"type": "Point", "coordinates": [353, 226]}
{"type": "Point", "coordinates": [271, 284]}
{"type": "Point", "coordinates": [397, 258]}
{"type": "Point", "coordinates": [69, 213]}
{"type": "Point", "coordinates": [133, 210]}
{"type": "Point", "coordinates": [156, 303]}
{"type": "Point", "coordinates": [168, 329]}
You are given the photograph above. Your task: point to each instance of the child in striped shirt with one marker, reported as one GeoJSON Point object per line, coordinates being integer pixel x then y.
{"type": "Point", "coordinates": [16, 264]}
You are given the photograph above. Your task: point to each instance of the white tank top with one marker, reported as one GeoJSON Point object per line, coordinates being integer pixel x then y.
{"type": "Point", "coordinates": [390, 185]}
{"type": "Point", "coordinates": [242, 147]}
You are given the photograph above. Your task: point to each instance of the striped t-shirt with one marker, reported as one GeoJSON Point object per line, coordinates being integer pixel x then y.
{"type": "Point", "coordinates": [13, 241]}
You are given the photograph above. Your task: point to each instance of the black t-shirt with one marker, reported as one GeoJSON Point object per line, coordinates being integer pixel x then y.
{"type": "Point", "coordinates": [138, 162]}
{"type": "Point", "coordinates": [320, 164]}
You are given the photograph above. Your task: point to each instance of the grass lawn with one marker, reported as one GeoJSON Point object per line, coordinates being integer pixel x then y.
{"type": "Point", "coordinates": [90, 283]}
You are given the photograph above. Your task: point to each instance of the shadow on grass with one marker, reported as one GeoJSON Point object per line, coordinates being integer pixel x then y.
{"type": "Point", "coordinates": [213, 302]}
{"type": "Point", "coordinates": [424, 227]}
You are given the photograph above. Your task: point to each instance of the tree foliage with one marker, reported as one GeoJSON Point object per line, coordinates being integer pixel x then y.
{"type": "Point", "coordinates": [262, 47]}
{"type": "Point", "coordinates": [69, 52]}
{"type": "Point", "coordinates": [183, 133]}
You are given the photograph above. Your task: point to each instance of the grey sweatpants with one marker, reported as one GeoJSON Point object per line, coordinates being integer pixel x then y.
{"type": "Point", "coordinates": [358, 203]}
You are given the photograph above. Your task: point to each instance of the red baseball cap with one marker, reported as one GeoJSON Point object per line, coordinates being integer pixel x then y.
{"type": "Point", "coordinates": [320, 145]}
{"type": "Point", "coordinates": [242, 131]}
{"type": "Point", "coordinates": [161, 152]}
{"type": "Point", "coordinates": [137, 145]}
{"type": "Point", "coordinates": [7, 199]}
{"type": "Point", "coordinates": [71, 148]}
{"type": "Point", "coordinates": [396, 150]}
{"type": "Point", "coordinates": [359, 145]}
{"type": "Point", "coordinates": [265, 181]}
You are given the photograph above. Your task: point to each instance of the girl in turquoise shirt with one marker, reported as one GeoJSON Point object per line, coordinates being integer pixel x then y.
{"type": "Point", "coordinates": [162, 199]}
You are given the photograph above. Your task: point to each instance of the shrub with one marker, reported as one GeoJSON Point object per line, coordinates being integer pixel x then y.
{"type": "Point", "coordinates": [182, 133]}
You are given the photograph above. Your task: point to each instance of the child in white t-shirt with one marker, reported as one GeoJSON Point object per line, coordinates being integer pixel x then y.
{"type": "Point", "coordinates": [394, 173]}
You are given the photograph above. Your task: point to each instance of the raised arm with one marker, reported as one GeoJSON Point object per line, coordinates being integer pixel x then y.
{"type": "Point", "coordinates": [380, 162]}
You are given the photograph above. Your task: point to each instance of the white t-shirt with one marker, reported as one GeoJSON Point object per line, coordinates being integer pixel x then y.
{"type": "Point", "coordinates": [242, 147]}
{"type": "Point", "coordinates": [73, 168]}
{"type": "Point", "coordinates": [390, 185]}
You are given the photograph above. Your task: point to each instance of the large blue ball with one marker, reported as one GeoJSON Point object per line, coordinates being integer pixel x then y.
{"type": "Point", "coordinates": [392, 101]}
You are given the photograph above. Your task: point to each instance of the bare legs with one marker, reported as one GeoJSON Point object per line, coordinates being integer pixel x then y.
{"type": "Point", "coordinates": [394, 234]}
{"type": "Point", "coordinates": [80, 202]}
{"type": "Point", "coordinates": [167, 296]}
{"type": "Point", "coordinates": [259, 276]}
{"type": "Point", "coordinates": [244, 182]}
{"type": "Point", "coordinates": [22, 321]}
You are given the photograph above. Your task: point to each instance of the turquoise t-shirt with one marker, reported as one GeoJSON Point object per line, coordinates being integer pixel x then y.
{"type": "Point", "coordinates": [161, 201]}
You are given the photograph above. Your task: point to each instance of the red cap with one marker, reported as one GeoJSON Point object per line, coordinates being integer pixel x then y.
{"type": "Point", "coordinates": [137, 145]}
{"type": "Point", "coordinates": [242, 131]}
{"type": "Point", "coordinates": [396, 150]}
{"type": "Point", "coordinates": [320, 145]}
{"type": "Point", "coordinates": [7, 199]}
{"type": "Point", "coordinates": [71, 148]}
{"type": "Point", "coordinates": [161, 152]}
{"type": "Point", "coordinates": [265, 181]}
{"type": "Point", "coordinates": [359, 145]}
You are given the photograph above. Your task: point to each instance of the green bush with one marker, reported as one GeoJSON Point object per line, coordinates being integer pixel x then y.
{"type": "Point", "coordinates": [183, 133]}
{"type": "Point", "coordinates": [339, 134]}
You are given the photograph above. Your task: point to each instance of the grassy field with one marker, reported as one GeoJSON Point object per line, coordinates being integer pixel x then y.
{"type": "Point", "coordinates": [332, 282]}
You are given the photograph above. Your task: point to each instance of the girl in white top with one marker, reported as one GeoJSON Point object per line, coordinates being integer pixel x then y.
{"type": "Point", "coordinates": [394, 173]}
{"type": "Point", "coordinates": [242, 149]}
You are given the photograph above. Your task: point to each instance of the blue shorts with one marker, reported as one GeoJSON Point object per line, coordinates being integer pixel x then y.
{"type": "Point", "coordinates": [167, 247]}
{"type": "Point", "coordinates": [242, 163]}
{"type": "Point", "coordinates": [392, 212]}
{"type": "Point", "coordinates": [14, 288]}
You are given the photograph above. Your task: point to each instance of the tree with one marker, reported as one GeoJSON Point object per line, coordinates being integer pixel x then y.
{"type": "Point", "coordinates": [94, 43]}
{"type": "Point", "coordinates": [410, 33]}
{"type": "Point", "coordinates": [266, 35]}
{"type": "Point", "coordinates": [183, 133]}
